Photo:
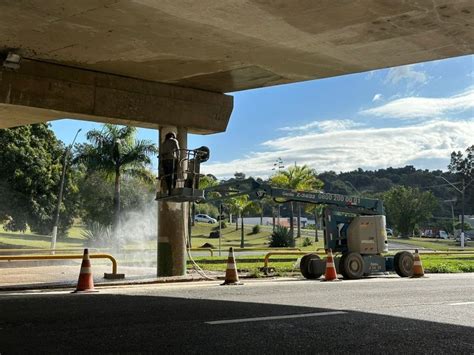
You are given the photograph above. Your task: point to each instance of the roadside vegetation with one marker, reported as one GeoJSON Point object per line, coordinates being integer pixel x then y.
{"type": "Point", "coordinates": [250, 264]}
{"type": "Point", "coordinates": [109, 189]}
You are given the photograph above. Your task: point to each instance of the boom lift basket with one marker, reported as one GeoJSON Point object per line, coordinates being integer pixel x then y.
{"type": "Point", "coordinates": [187, 175]}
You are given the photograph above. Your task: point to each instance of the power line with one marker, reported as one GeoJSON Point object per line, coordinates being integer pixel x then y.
{"type": "Point", "coordinates": [441, 185]}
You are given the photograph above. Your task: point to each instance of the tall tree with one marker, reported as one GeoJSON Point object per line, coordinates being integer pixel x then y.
{"type": "Point", "coordinates": [406, 207]}
{"type": "Point", "coordinates": [463, 168]}
{"type": "Point", "coordinates": [97, 195]}
{"type": "Point", "coordinates": [115, 151]}
{"type": "Point", "coordinates": [31, 164]}
{"type": "Point", "coordinates": [296, 178]}
{"type": "Point", "coordinates": [316, 211]}
{"type": "Point", "coordinates": [242, 204]}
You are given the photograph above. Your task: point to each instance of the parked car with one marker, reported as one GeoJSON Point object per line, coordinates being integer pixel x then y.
{"type": "Point", "coordinates": [389, 232]}
{"type": "Point", "coordinates": [204, 218]}
{"type": "Point", "coordinates": [443, 235]}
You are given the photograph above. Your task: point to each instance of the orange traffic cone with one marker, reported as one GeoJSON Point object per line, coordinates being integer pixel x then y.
{"type": "Point", "coordinates": [417, 266]}
{"type": "Point", "coordinates": [86, 280]}
{"type": "Point", "coordinates": [330, 274]}
{"type": "Point", "coordinates": [231, 275]}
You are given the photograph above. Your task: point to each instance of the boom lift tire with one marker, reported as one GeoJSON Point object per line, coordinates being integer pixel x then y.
{"type": "Point", "coordinates": [351, 266]}
{"type": "Point", "coordinates": [305, 267]}
{"type": "Point", "coordinates": [403, 263]}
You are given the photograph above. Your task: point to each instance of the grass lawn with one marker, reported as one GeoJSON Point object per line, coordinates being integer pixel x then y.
{"type": "Point", "coordinates": [231, 237]}
{"type": "Point", "coordinates": [28, 240]}
{"type": "Point", "coordinates": [431, 263]}
{"type": "Point", "coordinates": [448, 263]}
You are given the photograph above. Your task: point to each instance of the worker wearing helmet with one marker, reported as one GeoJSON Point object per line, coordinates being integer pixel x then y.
{"type": "Point", "coordinates": [169, 160]}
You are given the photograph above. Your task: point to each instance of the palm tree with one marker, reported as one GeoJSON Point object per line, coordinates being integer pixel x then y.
{"type": "Point", "coordinates": [242, 204]}
{"type": "Point", "coordinates": [301, 178]}
{"type": "Point", "coordinates": [115, 151]}
{"type": "Point", "coordinates": [316, 210]}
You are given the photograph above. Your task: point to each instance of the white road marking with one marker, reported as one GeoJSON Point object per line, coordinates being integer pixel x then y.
{"type": "Point", "coordinates": [243, 320]}
{"type": "Point", "coordinates": [460, 303]}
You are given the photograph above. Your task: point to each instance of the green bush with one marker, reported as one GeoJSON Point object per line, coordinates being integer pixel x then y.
{"type": "Point", "coordinates": [281, 238]}
{"type": "Point", "coordinates": [98, 235]}
{"type": "Point", "coordinates": [307, 242]}
{"type": "Point", "coordinates": [256, 229]}
{"type": "Point", "coordinates": [214, 234]}
{"type": "Point", "coordinates": [223, 226]}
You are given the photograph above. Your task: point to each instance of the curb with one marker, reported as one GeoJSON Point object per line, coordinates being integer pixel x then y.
{"type": "Point", "coordinates": [49, 286]}
{"type": "Point", "coordinates": [161, 280]}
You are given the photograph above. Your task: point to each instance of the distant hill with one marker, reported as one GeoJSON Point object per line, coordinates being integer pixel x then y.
{"type": "Point", "coordinates": [374, 183]}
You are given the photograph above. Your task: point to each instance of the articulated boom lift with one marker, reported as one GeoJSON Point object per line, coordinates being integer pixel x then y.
{"type": "Point", "coordinates": [354, 227]}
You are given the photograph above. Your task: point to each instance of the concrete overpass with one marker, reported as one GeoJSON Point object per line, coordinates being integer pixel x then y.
{"type": "Point", "coordinates": [166, 64]}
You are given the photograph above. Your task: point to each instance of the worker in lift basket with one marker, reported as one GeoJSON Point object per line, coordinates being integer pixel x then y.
{"type": "Point", "coordinates": [169, 158]}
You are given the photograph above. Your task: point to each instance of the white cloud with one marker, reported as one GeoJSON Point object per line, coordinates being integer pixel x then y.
{"type": "Point", "coordinates": [377, 97]}
{"type": "Point", "coordinates": [406, 73]}
{"type": "Point", "coordinates": [424, 107]}
{"type": "Point", "coordinates": [370, 148]}
{"type": "Point", "coordinates": [370, 75]}
{"type": "Point", "coordinates": [323, 126]}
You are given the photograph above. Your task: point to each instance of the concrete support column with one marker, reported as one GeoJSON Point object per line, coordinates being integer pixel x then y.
{"type": "Point", "coordinates": [172, 224]}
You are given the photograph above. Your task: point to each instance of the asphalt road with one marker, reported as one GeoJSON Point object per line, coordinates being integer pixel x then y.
{"type": "Point", "coordinates": [375, 315]}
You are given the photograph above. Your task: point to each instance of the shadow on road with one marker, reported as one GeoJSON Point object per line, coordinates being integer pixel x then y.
{"type": "Point", "coordinates": [121, 323]}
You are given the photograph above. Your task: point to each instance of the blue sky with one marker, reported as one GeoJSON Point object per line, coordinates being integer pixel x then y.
{"type": "Point", "coordinates": [415, 114]}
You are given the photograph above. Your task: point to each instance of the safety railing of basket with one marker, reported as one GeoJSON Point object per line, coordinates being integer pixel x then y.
{"type": "Point", "coordinates": [187, 173]}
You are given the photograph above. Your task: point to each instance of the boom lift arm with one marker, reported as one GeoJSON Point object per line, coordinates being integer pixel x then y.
{"type": "Point", "coordinates": [256, 190]}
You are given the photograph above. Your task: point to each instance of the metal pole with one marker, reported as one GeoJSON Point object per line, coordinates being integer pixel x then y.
{"type": "Point", "coordinates": [220, 227]}
{"type": "Point", "coordinates": [60, 196]}
{"type": "Point", "coordinates": [462, 205]}
{"type": "Point", "coordinates": [453, 220]}
{"type": "Point", "coordinates": [452, 215]}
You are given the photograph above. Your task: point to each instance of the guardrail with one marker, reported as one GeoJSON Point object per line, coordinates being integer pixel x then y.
{"type": "Point", "coordinates": [113, 275]}
{"type": "Point", "coordinates": [211, 252]}
{"type": "Point", "coordinates": [40, 250]}
{"type": "Point", "coordinates": [236, 250]}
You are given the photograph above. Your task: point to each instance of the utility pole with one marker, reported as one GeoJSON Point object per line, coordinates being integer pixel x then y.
{"type": "Point", "coordinates": [453, 221]}
{"type": "Point", "coordinates": [462, 192]}
{"type": "Point", "coordinates": [60, 195]}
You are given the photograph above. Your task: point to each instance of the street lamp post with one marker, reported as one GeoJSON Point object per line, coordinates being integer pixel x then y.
{"type": "Point", "coordinates": [277, 166]}
{"type": "Point", "coordinates": [462, 192]}
{"type": "Point", "coordinates": [60, 196]}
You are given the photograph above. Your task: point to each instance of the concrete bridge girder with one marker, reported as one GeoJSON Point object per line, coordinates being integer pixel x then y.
{"type": "Point", "coordinates": [40, 92]}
